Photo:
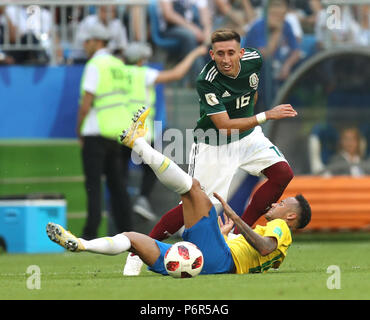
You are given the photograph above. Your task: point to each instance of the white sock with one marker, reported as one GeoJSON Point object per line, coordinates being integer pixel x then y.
{"type": "Point", "coordinates": [108, 245]}
{"type": "Point", "coordinates": [167, 171]}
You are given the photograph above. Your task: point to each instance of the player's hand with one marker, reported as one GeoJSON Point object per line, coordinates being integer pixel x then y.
{"type": "Point", "coordinates": [225, 227]}
{"type": "Point", "coordinates": [227, 209]}
{"type": "Point", "coordinates": [280, 112]}
{"type": "Point", "coordinates": [198, 33]}
{"type": "Point", "coordinates": [201, 50]}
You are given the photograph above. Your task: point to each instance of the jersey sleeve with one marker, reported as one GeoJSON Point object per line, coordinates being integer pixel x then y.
{"type": "Point", "coordinates": [279, 230]}
{"type": "Point", "coordinates": [253, 59]}
{"type": "Point", "coordinates": [210, 98]}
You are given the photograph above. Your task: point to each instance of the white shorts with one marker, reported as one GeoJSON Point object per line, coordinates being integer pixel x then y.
{"type": "Point", "coordinates": [215, 166]}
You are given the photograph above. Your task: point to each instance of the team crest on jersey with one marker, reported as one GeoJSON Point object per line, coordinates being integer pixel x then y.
{"type": "Point", "coordinates": [253, 81]}
{"type": "Point", "coordinates": [212, 99]}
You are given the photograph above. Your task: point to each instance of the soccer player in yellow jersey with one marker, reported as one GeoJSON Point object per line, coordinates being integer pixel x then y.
{"type": "Point", "coordinates": [264, 247]}
{"type": "Point", "coordinates": [252, 251]}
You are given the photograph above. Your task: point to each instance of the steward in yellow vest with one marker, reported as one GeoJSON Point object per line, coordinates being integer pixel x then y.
{"type": "Point", "coordinates": [103, 114]}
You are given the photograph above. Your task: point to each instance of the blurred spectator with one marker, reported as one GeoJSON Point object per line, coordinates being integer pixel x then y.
{"type": "Point", "coordinates": [308, 12]}
{"type": "Point", "coordinates": [107, 15]}
{"type": "Point", "coordinates": [5, 59]}
{"type": "Point", "coordinates": [190, 22]}
{"type": "Point", "coordinates": [344, 29]}
{"type": "Point", "coordinates": [6, 26]}
{"type": "Point", "coordinates": [137, 14]}
{"type": "Point", "coordinates": [20, 31]}
{"type": "Point", "coordinates": [292, 17]}
{"type": "Point", "coordinates": [349, 158]}
{"type": "Point", "coordinates": [363, 18]}
{"type": "Point", "coordinates": [232, 14]}
{"type": "Point", "coordinates": [140, 90]}
{"type": "Point", "coordinates": [280, 45]}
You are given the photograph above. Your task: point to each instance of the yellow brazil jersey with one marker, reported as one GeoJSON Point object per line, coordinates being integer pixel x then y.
{"type": "Point", "coordinates": [248, 260]}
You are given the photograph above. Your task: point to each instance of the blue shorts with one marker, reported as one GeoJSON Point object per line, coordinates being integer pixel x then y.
{"type": "Point", "coordinates": [206, 235]}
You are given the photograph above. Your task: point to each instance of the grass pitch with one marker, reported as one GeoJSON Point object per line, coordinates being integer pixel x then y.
{"type": "Point", "coordinates": [303, 275]}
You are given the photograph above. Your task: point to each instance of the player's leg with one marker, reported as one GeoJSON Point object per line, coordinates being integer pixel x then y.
{"type": "Point", "coordinates": [169, 224]}
{"type": "Point", "coordinates": [200, 218]}
{"type": "Point", "coordinates": [270, 162]}
{"type": "Point", "coordinates": [214, 167]}
{"type": "Point", "coordinates": [278, 177]}
{"type": "Point", "coordinates": [140, 244]}
{"type": "Point", "coordinates": [202, 229]}
{"type": "Point", "coordinates": [196, 205]}
{"type": "Point", "coordinates": [204, 165]}
{"type": "Point", "coordinates": [168, 172]}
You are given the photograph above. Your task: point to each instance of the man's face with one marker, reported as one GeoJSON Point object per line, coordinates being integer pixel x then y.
{"type": "Point", "coordinates": [282, 210]}
{"type": "Point", "coordinates": [227, 55]}
{"type": "Point", "coordinates": [90, 47]}
{"type": "Point", "coordinates": [276, 16]}
{"type": "Point", "coordinates": [349, 142]}
{"type": "Point", "coordinates": [107, 13]}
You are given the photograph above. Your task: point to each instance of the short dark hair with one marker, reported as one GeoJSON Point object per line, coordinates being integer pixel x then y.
{"type": "Point", "coordinates": [224, 35]}
{"type": "Point", "coordinates": [305, 213]}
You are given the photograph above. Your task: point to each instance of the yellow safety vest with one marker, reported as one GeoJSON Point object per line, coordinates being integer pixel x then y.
{"type": "Point", "coordinates": [138, 95]}
{"type": "Point", "coordinates": [113, 114]}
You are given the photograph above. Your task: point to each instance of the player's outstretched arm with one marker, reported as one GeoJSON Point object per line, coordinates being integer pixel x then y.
{"type": "Point", "coordinates": [179, 71]}
{"type": "Point", "coordinates": [223, 121]}
{"type": "Point", "coordinates": [264, 245]}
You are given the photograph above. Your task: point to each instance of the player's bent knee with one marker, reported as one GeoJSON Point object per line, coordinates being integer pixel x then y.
{"type": "Point", "coordinates": [288, 174]}
{"type": "Point", "coordinates": [130, 235]}
{"type": "Point", "coordinates": [196, 184]}
{"type": "Point", "coordinates": [281, 173]}
{"type": "Point", "coordinates": [196, 187]}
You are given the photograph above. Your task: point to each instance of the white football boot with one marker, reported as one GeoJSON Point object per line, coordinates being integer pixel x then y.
{"type": "Point", "coordinates": [133, 265]}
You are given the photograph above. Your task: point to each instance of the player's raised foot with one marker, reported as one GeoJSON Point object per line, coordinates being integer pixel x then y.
{"type": "Point", "coordinates": [133, 265]}
{"type": "Point", "coordinates": [137, 128]}
{"type": "Point", "coordinates": [59, 235]}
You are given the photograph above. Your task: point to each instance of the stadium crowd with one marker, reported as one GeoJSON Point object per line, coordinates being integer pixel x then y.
{"type": "Point", "coordinates": [189, 21]}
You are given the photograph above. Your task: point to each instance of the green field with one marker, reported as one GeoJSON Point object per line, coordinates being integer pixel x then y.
{"type": "Point", "coordinates": [303, 275]}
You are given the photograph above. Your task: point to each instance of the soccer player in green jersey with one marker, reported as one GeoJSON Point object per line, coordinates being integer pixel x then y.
{"type": "Point", "coordinates": [228, 136]}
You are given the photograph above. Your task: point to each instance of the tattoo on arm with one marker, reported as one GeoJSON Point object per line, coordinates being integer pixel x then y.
{"type": "Point", "coordinates": [264, 245]}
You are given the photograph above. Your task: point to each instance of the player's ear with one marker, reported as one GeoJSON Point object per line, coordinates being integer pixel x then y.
{"type": "Point", "coordinates": [211, 53]}
{"type": "Point", "coordinates": [242, 51]}
{"type": "Point", "coordinates": [292, 215]}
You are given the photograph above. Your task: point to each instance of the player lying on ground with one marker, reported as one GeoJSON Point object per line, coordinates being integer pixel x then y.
{"type": "Point", "coordinates": [252, 251]}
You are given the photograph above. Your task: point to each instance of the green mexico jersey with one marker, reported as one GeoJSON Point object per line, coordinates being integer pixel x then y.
{"type": "Point", "coordinates": [220, 93]}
